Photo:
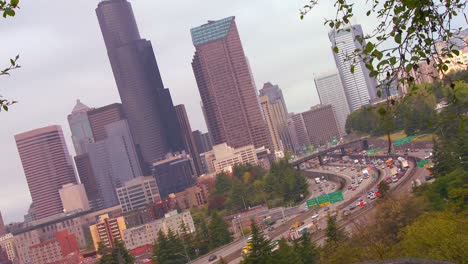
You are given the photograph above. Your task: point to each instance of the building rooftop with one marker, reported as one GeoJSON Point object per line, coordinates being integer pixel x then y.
{"type": "Point", "coordinates": [80, 107]}
{"type": "Point", "coordinates": [211, 31]}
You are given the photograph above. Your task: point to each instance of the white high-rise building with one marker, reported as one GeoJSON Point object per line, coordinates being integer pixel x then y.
{"type": "Point", "coordinates": [331, 91]}
{"type": "Point", "coordinates": [360, 88]}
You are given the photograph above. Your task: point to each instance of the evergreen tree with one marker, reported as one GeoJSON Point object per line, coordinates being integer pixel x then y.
{"type": "Point", "coordinates": [219, 231]}
{"type": "Point", "coordinates": [287, 254]}
{"type": "Point", "coordinates": [118, 255]}
{"type": "Point", "coordinates": [179, 253]}
{"type": "Point", "coordinates": [307, 251]}
{"type": "Point", "coordinates": [261, 248]}
{"type": "Point", "coordinates": [333, 233]}
{"type": "Point", "coordinates": [169, 249]}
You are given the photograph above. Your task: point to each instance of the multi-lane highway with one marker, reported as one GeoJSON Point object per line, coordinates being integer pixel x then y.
{"type": "Point", "coordinates": [232, 251]}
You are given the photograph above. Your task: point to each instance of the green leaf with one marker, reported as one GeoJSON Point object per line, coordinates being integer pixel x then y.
{"type": "Point", "coordinates": [377, 54]}
{"type": "Point", "coordinates": [379, 93]}
{"type": "Point", "coordinates": [369, 47]}
{"type": "Point", "coordinates": [456, 52]}
{"type": "Point", "coordinates": [368, 13]}
{"type": "Point", "coordinates": [445, 67]}
{"type": "Point", "coordinates": [335, 49]}
{"type": "Point", "coordinates": [352, 69]}
{"type": "Point", "coordinates": [5, 107]}
{"type": "Point", "coordinates": [393, 60]}
{"type": "Point", "coordinates": [398, 38]}
{"type": "Point", "coordinates": [12, 62]}
{"type": "Point", "coordinates": [373, 73]}
{"type": "Point", "coordinates": [8, 12]}
{"type": "Point", "coordinates": [14, 3]}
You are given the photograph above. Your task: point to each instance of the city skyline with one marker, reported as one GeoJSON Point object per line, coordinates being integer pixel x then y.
{"type": "Point", "coordinates": [56, 111]}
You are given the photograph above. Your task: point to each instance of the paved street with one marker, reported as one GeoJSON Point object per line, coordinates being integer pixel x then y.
{"type": "Point", "coordinates": [299, 213]}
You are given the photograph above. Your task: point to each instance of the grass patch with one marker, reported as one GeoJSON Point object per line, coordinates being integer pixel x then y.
{"type": "Point", "coordinates": [424, 138]}
{"type": "Point", "coordinates": [394, 136]}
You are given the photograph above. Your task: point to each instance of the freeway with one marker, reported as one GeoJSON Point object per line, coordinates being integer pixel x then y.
{"type": "Point", "coordinates": [231, 252]}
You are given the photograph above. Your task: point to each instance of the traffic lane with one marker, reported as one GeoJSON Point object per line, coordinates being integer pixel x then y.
{"type": "Point", "coordinates": [348, 174]}
{"type": "Point", "coordinates": [222, 252]}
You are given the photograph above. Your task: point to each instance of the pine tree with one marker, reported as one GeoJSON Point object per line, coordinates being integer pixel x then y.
{"type": "Point", "coordinates": [287, 254]}
{"type": "Point", "coordinates": [261, 248]}
{"type": "Point", "coordinates": [161, 252]}
{"type": "Point", "coordinates": [307, 251]}
{"type": "Point", "coordinates": [333, 232]}
{"type": "Point", "coordinates": [177, 249]}
{"type": "Point", "coordinates": [219, 231]}
{"type": "Point", "coordinates": [117, 255]}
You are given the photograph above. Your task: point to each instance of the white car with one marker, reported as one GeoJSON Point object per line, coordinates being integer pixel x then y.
{"type": "Point", "coordinates": [315, 216]}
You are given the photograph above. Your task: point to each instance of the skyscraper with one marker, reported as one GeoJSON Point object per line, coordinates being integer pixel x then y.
{"type": "Point", "coordinates": [47, 166]}
{"type": "Point", "coordinates": [271, 120]}
{"type": "Point", "coordinates": [114, 161]}
{"type": "Point", "coordinates": [107, 144]}
{"type": "Point", "coordinates": [203, 141]}
{"type": "Point", "coordinates": [300, 131]}
{"type": "Point", "coordinates": [320, 124]}
{"type": "Point", "coordinates": [331, 91]}
{"type": "Point", "coordinates": [278, 105]}
{"type": "Point", "coordinates": [145, 102]}
{"type": "Point", "coordinates": [80, 127]}
{"type": "Point", "coordinates": [189, 141]}
{"type": "Point", "coordinates": [2, 225]}
{"type": "Point", "coordinates": [226, 87]}
{"type": "Point", "coordinates": [359, 87]}
{"type": "Point", "coordinates": [100, 117]}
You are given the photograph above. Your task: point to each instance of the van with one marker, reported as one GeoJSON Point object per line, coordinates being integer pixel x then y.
{"type": "Point", "coordinates": [317, 180]}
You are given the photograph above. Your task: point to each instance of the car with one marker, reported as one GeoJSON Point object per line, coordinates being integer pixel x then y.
{"type": "Point", "coordinates": [429, 177]}
{"type": "Point", "coordinates": [212, 257]}
{"type": "Point", "coordinates": [350, 187]}
{"type": "Point", "coordinates": [358, 203]}
{"type": "Point", "coordinates": [352, 207]}
{"type": "Point", "coordinates": [326, 208]}
{"type": "Point", "coordinates": [346, 212]}
{"type": "Point", "coordinates": [315, 216]}
{"type": "Point", "coordinates": [353, 177]}
{"type": "Point", "coordinates": [354, 188]}
{"type": "Point", "coordinates": [271, 228]}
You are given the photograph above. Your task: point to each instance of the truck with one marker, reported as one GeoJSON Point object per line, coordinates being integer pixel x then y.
{"type": "Point", "coordinates": [296, 233]}
{"type": "Point", "coordinates": [404, 164]}
{"type": "Point", "coordinates": [389, 162]}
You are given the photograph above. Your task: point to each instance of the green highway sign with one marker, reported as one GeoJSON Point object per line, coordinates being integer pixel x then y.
{"type": "Point", "coordinates": [323, 200]}
{"type": "Point", "coordinates": [336, 197]}
{"type": "Point", "coordinates": [403, 141]}
{"type": "Point", "coordinates": [422, 163]}
{"type": "Point", "coordinates": [312, 202]}
{"type": "Point", "coordinates": [373, 151]}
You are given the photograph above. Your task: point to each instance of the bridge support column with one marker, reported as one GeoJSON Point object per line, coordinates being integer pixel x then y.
{"type": "Point", "coordinates": [343, 151]}
{"type": "Point", "coordinates": [320, 159]}
{"type": "Point", "coordinates": [365, 144]}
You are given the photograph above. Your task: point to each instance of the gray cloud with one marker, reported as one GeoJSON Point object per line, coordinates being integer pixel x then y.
{"type": "Point", "coordinates": [64, 58]}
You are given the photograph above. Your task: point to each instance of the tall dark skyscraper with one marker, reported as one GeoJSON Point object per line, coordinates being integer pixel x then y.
{"type": "Point", "coordinates": [226, 86]}
{"type": "Point", "coordinates": [189, 141]}
{"type": "Point", "coordinates": [146, 103]}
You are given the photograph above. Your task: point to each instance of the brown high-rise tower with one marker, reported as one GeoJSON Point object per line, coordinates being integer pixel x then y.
{"type": "Point", "coordinates": [226, 86]}
{"type": "Point", "coordinates": [47, 166]}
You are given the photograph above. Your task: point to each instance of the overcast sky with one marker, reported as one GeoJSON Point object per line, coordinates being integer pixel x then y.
{"type": "Point", "coordinates": [63, 58]}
